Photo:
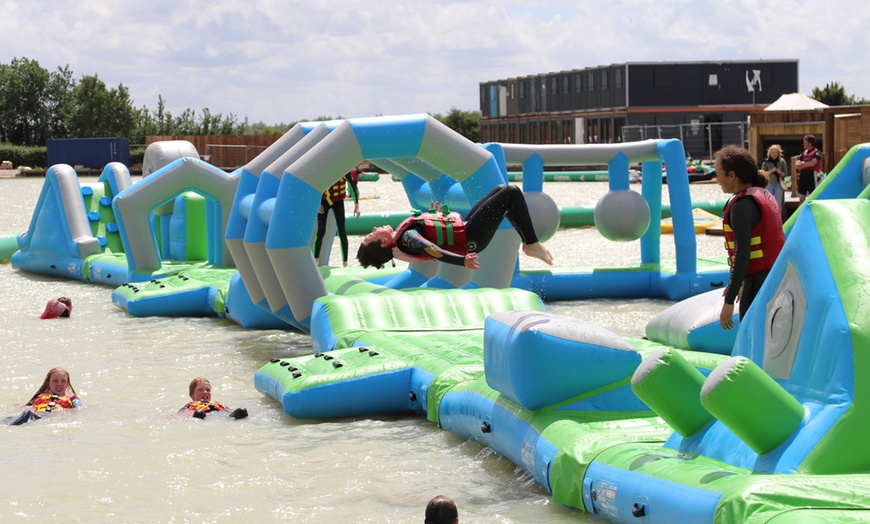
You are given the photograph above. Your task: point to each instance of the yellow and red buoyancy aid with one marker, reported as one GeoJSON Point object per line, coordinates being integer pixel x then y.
{"type": "Point", "coordinates": [48, 402]}
{"type": "Point", "coordinates": [443, 228]}
{"type": "Point", "coordinates": [338, 190]}
{"type": "Point", "coordinates": [207, 407]}
{"type": "Point", "coordinates": [767, 237]}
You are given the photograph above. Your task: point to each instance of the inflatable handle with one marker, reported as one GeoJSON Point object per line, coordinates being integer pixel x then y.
{"type": "Point", "coordinates": [751, 404]}
{"type": "Point", "coordinates": [671, 387]}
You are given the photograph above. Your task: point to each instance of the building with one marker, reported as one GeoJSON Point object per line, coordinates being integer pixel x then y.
{"type": "Point", "coordinates": [705, 104]}
{"type": "Point", "coordinates": [836, 129]}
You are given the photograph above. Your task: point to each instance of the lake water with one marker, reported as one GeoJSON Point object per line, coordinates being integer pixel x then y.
{"type": "Point", "coordinates": [125, 457]}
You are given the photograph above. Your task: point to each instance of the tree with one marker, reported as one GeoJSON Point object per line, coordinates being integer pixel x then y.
{"type": "Point", "coordinates": [31, 102]}
{"type": "Point", "coordinates": [96, 111]}
{"type": "Point", "coordinates": [466, 123]}
{"type": "Point", "coordinates": [834, 94]}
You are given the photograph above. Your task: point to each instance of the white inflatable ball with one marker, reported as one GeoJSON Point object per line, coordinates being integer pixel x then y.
{"type": "Point", "coordinates": [622, 216]}
{"type": "Point", "coordinates": [545, 214]}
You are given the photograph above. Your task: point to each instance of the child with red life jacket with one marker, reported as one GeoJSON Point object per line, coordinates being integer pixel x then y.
{"type": "Point", "coordinates": [55, 394]}
{"type": "Point", "coordinates": [201, 402]}
{"type": "Point", "coordinates": [333, 199]}
{"type": "Point", "coordinates": [443, 236]}
{"type": "Point", "coordinates": [752, 224]}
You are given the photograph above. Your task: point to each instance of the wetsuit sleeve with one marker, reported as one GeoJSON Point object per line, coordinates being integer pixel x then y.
{"type": "Point", "coordinates": [413, 243]}
{"type": "Point", "coordinates": [354, 188]}
{"type": "Point", "coordinates": [745, 214]}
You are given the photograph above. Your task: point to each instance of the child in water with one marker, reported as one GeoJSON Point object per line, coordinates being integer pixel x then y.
{"type": "Point", "coordinates": [201, 402]}
{"type": "Point", "coordinates": [55, 394]}
{"type": "Point", "coordinates": [60, 307]}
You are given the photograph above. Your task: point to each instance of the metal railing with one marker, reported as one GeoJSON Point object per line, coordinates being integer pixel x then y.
{"type": "Point", "coordinates": [699, 140]}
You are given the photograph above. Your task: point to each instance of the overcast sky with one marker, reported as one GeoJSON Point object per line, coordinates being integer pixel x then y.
{"type": "Point", "coordinates": [280, 61]}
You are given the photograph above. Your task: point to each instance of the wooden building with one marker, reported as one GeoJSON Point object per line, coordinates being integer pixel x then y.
{"type": "Point", "coordinates": [836, 129]}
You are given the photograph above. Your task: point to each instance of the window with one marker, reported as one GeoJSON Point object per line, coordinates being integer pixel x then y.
{"type": "Point", "coordinates": [513, 90]}
{"type": "Point", "coordinates": [578, 83]}
{"type": "Point", "coordinates": [591, 84]}
{"type": "Point", "coordinates": [565, 87]}
{"type": "Point", "coordinates": [522, 90]}
{"type": "Point", "coordinates": [554, 87]}
{"type": "Point", "coordinates": [617, 79]}
{"type": "Point", "coordinates": [604, 80]}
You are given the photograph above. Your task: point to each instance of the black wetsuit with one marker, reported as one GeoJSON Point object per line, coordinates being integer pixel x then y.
{"type": "Point", "coordinates": [745, 214]}
{"type": "Point", "coordinates": [481, 224]}
{"type": "Point", "coordinates": [337, 207]}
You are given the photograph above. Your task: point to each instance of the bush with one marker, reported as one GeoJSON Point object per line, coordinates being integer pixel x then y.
{"type": "Point", "coordinates": [24, 155]}
{"type": "Point", "coordinates": [137, 155]}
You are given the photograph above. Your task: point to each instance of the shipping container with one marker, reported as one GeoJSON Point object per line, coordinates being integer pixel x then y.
{"type": "Point", "coordinates": [91, 153]}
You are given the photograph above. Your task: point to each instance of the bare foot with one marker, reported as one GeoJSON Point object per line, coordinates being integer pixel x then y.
{"type": "Point", "coordinates": [345, 264]}
{"type": "Point", "coordinates": [537, 250]}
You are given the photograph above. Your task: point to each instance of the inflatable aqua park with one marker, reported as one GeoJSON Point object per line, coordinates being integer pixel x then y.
{"type": "Point", "coordinates": [660, 429]}
{"type": "Point", "coordinates": [632, 430]}
{"type": "Point", "coordinates": [191, 239]}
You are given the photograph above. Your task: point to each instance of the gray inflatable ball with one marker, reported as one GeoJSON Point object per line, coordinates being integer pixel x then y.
{"type": "Point", "coordinates": [545, 214]}
{"type": "Point", "coordinates": [622, 216]}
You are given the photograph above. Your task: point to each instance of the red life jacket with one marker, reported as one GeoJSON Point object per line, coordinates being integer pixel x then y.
{"type": "Point", "coordinates": [445, 231]}
{"type": "Point", "coordinates": [810, 154]}
{"type": "Point", "coordinates": [48, 402]}
{"type": "Point", "coordinates": [767, 237]}
{"type": "Point", "coordinates": [337, 192]}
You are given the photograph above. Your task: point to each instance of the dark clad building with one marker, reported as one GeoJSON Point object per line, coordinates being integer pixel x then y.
{"type": "Point", "coordinates": [705, 104]}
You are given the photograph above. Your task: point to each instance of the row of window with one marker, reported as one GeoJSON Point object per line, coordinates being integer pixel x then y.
{"type": "Point", "coordinates": [582, 81]}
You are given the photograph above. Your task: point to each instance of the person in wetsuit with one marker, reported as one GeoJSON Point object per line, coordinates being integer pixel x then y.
{"type": "Point", "coordinates": [753, 229]}
{"type": "Point", "coordinates": [333, 199]}
{"type": "Point", "coordinates": [446, 238]}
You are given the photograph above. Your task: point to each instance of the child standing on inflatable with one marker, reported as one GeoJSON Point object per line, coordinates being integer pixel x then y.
{"type": "Point", "coordinates": [55, 394]}
{"type": "Point", "coordinates": [446, 238]}
{"type": "Point", "coordinates": [333, 199]}
{"type": "Point", "coordinates": [201, 402]}
{"type": "Point", "coordinates": [753, 229]}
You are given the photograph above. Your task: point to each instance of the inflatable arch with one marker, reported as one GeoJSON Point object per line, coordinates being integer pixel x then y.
{"type": "Point", "coordinates": [651, 154]}
{"type": "Point", "coordinates": [134, 205]}
{"type": "Point", "coordinates": [417, 141]}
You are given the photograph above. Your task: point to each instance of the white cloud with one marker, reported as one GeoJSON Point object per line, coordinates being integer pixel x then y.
{"type": "Point", "coordinates": [281, 61]}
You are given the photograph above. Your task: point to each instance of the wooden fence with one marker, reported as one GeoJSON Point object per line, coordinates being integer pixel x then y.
{"type": "Point", "coordinates": [224, 151]}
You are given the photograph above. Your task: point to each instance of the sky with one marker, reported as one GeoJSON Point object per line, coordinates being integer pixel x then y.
{"type": "Point", "coordinates": [282, 61]}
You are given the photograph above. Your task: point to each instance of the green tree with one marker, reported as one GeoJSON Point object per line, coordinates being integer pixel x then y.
{"type": "Point", "coordinates": [834, 94]}
{"type": "Point", "coordinates": [31, 102]}
{"type": "Point", "coordinates": [466, 123]}
{"type": "Point", "coordinates": [96, 111]}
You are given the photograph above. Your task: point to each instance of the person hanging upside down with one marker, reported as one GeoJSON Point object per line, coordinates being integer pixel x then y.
{"type": "Point", "coordinates": [201, 402]}
{"type": "Point", "coordinates": [446, 238]}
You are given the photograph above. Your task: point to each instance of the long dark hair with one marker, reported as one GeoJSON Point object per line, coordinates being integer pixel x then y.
{"type": "Point", "coordinates": [740, 161]}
